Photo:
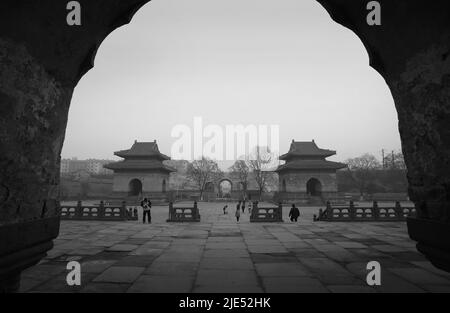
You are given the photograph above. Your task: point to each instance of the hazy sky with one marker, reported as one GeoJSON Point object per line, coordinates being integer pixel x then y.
{"type": "Point", "coordinates": [244, 62]}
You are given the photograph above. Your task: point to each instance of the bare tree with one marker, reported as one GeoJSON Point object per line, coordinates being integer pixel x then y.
{"type": "Point", "coordinates": [240, 170]}
{"type": "Point", "coordinates": [394, 161]}
{"type": "Point", "coordinates": [260, 162]}
{"type": "Point", "coordinates": [362, 169]}
{"type": "Point", "coordinates": [202, 171]}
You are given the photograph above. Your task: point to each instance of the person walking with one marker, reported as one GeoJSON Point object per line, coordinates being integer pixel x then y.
{"type": "Point", "coordinates": [146, 206]}
{"type": "Point", "coordinates": [294, 213]}
{"type": "Point", "coordinates": [225, 209]}
{"type": "Point", "coordinates": [243, 206]}
{"type": "Point", "coordinates": [238, 211]}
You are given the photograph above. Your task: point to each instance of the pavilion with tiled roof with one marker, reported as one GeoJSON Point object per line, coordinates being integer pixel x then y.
{"type": "Point", "coordinates": [142, 172]}
{"type": "Point", "coordinates": [306, 172]}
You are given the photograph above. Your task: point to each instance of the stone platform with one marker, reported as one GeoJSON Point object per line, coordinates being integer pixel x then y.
{"type": "Point", "coordinates": [219, 255]}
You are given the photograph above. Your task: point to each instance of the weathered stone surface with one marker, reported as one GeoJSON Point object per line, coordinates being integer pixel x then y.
{"type": "Point", "coordinates": [411, 51]}
{"type": "Point", "coordinates": [297, 270]}
{"type": "Point", "coordinates": [41, 60]}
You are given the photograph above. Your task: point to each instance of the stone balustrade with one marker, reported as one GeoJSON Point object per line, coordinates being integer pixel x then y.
{"type": "Point", "coordinates": [266, 214]}
{"type": "Point", "coordinates": [98, 212]}
{"type": "Point", "coordinates": [183, 214]}
{"type": "Point", "coordinates": [352, 213]}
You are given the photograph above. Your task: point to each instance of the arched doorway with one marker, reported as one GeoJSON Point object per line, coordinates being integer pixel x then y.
{"type": "Point", "coordinates": [225, 187]}
{"type": "Point", "coordinates": [314, 187]}
{"type": "Point", "coordinates": [134, 187]}
{"type": "Point", "coordinates": [164, 186]}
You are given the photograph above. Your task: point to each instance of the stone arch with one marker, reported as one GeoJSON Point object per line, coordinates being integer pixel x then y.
{"type": "Point", "coordinates": [314, 187]}
{"type": "Point", "coordinates": [135, 187]}
{"type": "Point", "coordinates": [412, 59]}
{"type": "Point", "coordinates": [225, 187]}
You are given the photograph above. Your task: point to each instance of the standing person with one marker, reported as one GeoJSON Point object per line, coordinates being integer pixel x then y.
{"type": "Point", "coordinates": [145, 204]}
{"type": "Point", "coordinates": [225, 209]}
{"type": "Point", "coordinates": [294, 213]}
{"type": "Point", "coordinates": [243, 206]}
{"type": "Point", "coordinates": [238, 212]}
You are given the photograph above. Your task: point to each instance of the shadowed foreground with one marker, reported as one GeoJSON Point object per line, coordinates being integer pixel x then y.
{"type": "Point", "coordinates": [219, 255]}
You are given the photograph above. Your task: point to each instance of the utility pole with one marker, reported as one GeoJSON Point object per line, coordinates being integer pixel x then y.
{"type": "Point", "coordinates": [382, 158]}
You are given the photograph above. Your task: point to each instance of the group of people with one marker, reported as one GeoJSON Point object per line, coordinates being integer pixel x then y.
{"type": "Point", "coordinates": [294, 213]}
{"type": "Point", "coordinates": [146, 205]}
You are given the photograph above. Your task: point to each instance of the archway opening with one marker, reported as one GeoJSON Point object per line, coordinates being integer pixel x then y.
{"type": "Point", "coordinates": [314, 187]}
{"type": "Point", "coordinates": [135, 187]}
{"type": "Point", "coordinates": [283, 187]}
{"type": "Point", "coordinates": [164, 186]}
{"type": "Point", "coordinates": [225, 187]}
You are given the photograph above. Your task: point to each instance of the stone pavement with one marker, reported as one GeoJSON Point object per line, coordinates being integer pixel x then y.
{"type": "Point", "coordinates": [220, 255]}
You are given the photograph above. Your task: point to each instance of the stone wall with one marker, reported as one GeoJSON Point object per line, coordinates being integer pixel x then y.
{"type": "Point", "coordinates": [151, 182]}
{"type": "Point", "coordinates": [296, 181]}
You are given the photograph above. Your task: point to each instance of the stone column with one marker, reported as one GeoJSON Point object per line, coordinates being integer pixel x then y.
{"type": "Point", "coordinates": [41, 60]}
{"type": "Point", "coordinates": [411, 50]}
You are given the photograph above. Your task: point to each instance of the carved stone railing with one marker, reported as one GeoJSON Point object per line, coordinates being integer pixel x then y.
{"type": "Point", "coordinates": [100, 212]}
{"type": "Point", "coordinates": [354, 213]}
{"type": "Point", "coordinates": [266, 214]}
{"type": "Point", "coordinates": [183, 214]}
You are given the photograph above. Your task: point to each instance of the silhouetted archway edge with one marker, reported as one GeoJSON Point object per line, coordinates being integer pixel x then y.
{"type": "Point", "coordinates": [43, 59]}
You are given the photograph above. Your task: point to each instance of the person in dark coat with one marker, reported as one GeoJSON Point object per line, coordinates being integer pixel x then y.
{"type": "Point", "coordinates": [238, 211]}
{"type": "Point", "coordinates": [294, 213]}
{"type": "Point", "coordinates": [146, 206]}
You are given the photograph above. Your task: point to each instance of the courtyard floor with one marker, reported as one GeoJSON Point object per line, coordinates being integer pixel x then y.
{"type": "Point", "coordinates": [220, 255]}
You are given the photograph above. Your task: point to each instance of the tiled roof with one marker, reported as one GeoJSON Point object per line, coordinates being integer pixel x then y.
{"type": "Point", "coordinates": [139, 165]}
{"type": "Point", "coordinates": [305, 149]}
{"type": "Point", "coordinates": [142, 149]}
{"type": "Point", "coordinates": [310, 165]}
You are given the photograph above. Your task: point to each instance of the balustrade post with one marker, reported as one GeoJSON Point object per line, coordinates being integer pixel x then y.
{"type": "Point", "coordinates": [328, 214]}
{"type": "Point", "coordinates": [123, 211]}
{"type": "Point", "coordinates": [79, 209]}
{"type": "Point", "coordinates": [196, 214]}
{"type": "Point", "coordinates": [255, 209]}
{"type": "Point", "coordinates": [101, 209]}
{"type": "Point", "coordinates": [351, 210]}
{"type": "Point", "coordinates": [376, 211]}
{"type": "Point", "coordinates": [398, 210]}
{"type": "Point", "coordinates": [171, 211]}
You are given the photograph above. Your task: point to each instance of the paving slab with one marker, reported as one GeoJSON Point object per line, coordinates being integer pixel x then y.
{"type": "Point", "coordinates": [120, 274]}
{"type": "Point", "coordinates": [162, 284]}
{"type": "Point", "coordinates": [219, 255]}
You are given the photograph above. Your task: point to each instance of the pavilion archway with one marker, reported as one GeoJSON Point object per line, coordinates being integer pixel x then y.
{"type": "Point", "coordinates": [225, 188]}
{"type": "Point", "coordinates": [314, 187]}
{"type": "Point", "coordinates": [135, 187]}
